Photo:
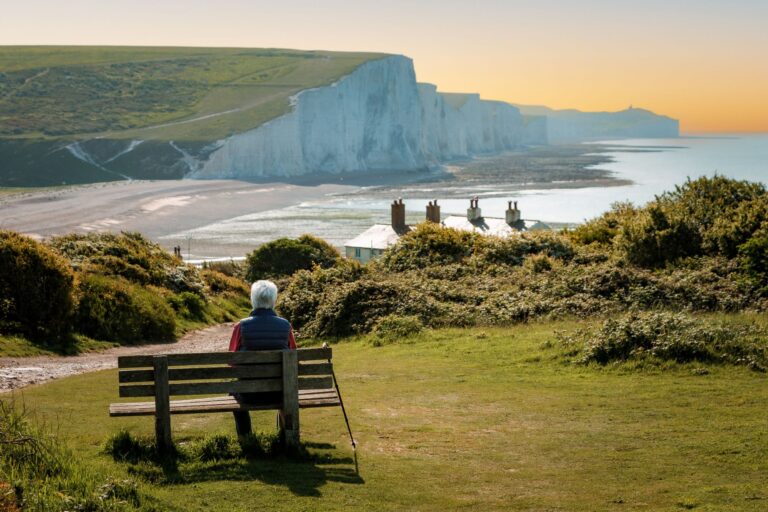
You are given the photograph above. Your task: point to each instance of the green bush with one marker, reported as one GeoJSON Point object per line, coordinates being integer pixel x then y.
{"type": "Point", "coordinates": [754, 257]}
{"type": "Point", "coordinates": [301, 299]}
{"type": "Point", "coordinates": [603, 229]}
{"type": "Point", "coordinates": [128, 255]}
{"type": "Point", "coordinates": [393, 328]}
{"type": "Point", "coordinates": [354, 308]}
{"type": "Point", "coordinates": [36, 296]}
{"type": "Point", "coordinates": [654, 237]}
{"type": "Point", "coordinates": [285, 256]}
{"type": "Point", "coordinates": [514, 250]}
{"type": "Point", "coordinates": [189, 305]}
{"type": "Point", "coordinates": [221, 283]}
{"type": "Point", "coordinates": [428, 245]}
{"type": "Point", "coordinates": [113, 309]}
{"type": "Point", "coordinates": [671, 337]}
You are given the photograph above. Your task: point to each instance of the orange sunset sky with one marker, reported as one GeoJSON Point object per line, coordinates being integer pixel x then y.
{"type": "Point", "coordinates": [704, 62]}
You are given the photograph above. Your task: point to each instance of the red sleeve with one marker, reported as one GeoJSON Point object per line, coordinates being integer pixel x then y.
{"type": "Point", "coordinates": [236, 340]}
{"type": "Point", "coordinates": [291, 340]}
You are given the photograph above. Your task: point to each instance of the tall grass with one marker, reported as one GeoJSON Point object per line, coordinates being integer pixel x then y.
{"type": "Point", "coordinates": [38, 472]}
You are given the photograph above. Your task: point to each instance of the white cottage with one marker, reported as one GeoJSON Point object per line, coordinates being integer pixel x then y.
{"type": "Point", "coordinates": [372, 242]}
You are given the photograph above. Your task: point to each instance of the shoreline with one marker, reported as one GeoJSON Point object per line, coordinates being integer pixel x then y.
{"type": "Point", "coordinates": [247, 213]}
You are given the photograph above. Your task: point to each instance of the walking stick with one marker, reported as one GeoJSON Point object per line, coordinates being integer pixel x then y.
{"type": "Point", "coordinates": [341, 402]}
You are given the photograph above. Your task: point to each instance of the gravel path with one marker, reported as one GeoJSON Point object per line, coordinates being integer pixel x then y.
{"type": "Point", "coordinates": [19, 372]}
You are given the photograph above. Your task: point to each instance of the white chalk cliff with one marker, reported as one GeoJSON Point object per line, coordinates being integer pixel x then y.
{"type": "Point", "coordinates": [378, 118]}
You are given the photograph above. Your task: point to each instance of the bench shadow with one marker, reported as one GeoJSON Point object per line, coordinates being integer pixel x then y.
{"type": "Point", "coordinates": [303, 474]}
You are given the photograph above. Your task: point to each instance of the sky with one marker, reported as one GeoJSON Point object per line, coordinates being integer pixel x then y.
{"type": "Point", "coordinates": [704, 62]}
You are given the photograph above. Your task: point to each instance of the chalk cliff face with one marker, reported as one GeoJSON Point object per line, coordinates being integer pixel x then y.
{"type": "Point", "coordinates": [375, 119]}
{"type": "Point", "coordinates": [369, 120]}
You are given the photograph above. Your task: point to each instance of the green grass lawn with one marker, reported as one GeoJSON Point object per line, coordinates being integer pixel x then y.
{"type": "Point", "coordinates": [484, 419]}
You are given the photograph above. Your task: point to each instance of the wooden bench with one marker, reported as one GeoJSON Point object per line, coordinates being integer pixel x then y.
{"type": "Point", "coordinates": [304, 377]}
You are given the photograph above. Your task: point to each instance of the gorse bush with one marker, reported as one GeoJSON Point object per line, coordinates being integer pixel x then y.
{"type": "Point", "coordinates": [36, 289]}
{"type": "Point", "coordinates": [128, 255]}
{"type": "Point", "coordinates": [114, 309]}
{"type": "Point", "coordinates": [674, 253]}
{"type": "Point", "coordinates": [393, 328]}
{"type": "Point", "coordinates": [704, 217]}
{"type": "Point", "coordinates": [44, 475]}
{"type": "Point", "coordinates": [430, 244]}
{"type": "Point", "coordinates": [670, 337]}
{"type": "Point", "coordinates": [285, 256]}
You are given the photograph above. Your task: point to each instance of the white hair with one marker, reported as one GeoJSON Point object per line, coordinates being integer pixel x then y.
{"type": "Point", "coordinates": [263, 294]}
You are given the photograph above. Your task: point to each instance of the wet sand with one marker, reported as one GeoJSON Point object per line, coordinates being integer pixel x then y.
{"type": "Point", "coordinates": [154, 208]}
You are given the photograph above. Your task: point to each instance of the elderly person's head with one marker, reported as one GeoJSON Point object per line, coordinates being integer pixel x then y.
{"type": "Point", "coordinates": [263, 295]}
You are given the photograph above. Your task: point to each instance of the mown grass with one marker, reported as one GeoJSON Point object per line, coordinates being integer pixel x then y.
{"type": "Point", "coordinates": [471, 419]}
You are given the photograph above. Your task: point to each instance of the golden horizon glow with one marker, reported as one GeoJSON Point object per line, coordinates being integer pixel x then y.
{"type": "Point", "coordinates": [701, 62]}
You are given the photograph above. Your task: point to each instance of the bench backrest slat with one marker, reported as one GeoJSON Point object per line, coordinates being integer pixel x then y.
{"type": "Point", "coordinates": [219, 372]}
{"type": "Point", "coordinates": [212, 372]}
{"type": "Point", "coordinates": [203, 358]}
{"type": "Point", "coordinates": [315, 383]}
{"type": "Point", "coordinates": [206, 388]}
{"type": "Point", "coordinates": [307, 369]}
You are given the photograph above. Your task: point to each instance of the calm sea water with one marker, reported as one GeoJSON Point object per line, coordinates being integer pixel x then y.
{"type": "Point", "coordinates": [651, 165]}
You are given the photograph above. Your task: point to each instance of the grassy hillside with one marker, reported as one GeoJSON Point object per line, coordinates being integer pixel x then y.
{"type": "Point", "coordinates": [155, 93]}
{"type": "Point", "coordinates": [467, 419]}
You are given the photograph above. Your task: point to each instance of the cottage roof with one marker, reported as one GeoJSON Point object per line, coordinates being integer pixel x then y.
{"type": "Point", "coordinates": [484, 225]}
{"type": "Point", "coordinates": [378, 236]}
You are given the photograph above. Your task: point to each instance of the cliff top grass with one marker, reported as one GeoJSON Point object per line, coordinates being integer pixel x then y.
{"type": "Point", "coordinates": [465, 419]}
{"type": "Point", "coordinates": [155, 93]}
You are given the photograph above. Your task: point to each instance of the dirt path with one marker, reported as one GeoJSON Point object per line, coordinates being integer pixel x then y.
{"type": "Point", "coordinates": [19, 372]}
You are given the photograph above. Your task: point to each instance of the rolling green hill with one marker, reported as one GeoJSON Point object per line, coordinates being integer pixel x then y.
{"type": "Point", "coordinates": [155, 93]}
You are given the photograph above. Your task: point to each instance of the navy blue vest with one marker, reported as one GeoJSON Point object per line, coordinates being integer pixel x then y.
{"type": "Point", "coordinates": [264, 330]}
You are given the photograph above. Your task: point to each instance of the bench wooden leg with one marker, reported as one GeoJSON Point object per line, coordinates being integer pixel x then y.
{"type": "Point", "coordinates": [162, 405]}
{"type": "Point", "coordinates": [290, 411]}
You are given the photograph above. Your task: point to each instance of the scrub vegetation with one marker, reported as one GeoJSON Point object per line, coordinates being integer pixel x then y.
{"type": "Point", "coordinates": [63, 295]}
{"type": "Point", "coordinates": [699, 248]}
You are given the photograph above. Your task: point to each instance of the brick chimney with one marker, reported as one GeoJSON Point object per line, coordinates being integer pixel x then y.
{"type": "Point", "coordinates": [433, 212]}
{"type": "Point", "coordinates": [398, 215]}
{"type": "Point", "coordinates": [513, 214]}
{"type": "Point", "coordinates": [473, 212]}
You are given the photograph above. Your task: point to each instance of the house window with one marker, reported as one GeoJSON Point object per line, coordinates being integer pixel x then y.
{"type": "Point", "coordinates": [357, 252]}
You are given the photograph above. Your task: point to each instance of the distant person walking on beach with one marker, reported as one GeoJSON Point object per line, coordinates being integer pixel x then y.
{"type": "Point", "coordinates": [262, 330]}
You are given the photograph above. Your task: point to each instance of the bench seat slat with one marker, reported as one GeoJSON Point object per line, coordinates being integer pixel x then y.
{"type": "Point", "coordinates": [220, 372]}
{"type": "Point", "coordinates": [320, 398]}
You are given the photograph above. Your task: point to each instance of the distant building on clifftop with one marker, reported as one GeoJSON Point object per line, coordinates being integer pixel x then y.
{"type": "Point", "coordinates": [372, 242]}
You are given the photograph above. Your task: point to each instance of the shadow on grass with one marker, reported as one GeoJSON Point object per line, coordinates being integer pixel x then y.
{"type": "Point", "coordinates": [302, 477]}
{"type": "Point", "coordinates": [215, 458]}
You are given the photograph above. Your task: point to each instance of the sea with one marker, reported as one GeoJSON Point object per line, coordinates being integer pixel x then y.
{"type": "Point", "coordinates": [643, 168]}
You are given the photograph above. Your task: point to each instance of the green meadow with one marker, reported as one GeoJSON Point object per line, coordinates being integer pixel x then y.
{"type": "Point", "coordinates": [153, 92]}
{"type": "Point", "coordinates": [465, 419]}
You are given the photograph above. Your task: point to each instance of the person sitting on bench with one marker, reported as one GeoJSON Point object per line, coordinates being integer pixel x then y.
{"type": "Point", "coordinates": [262, 330]}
